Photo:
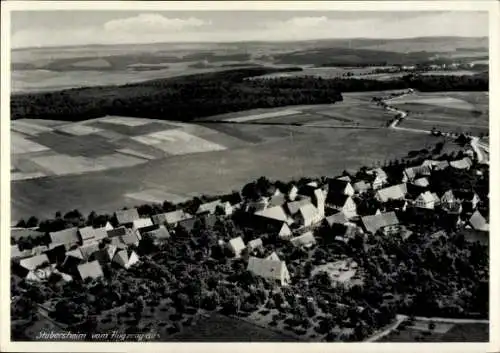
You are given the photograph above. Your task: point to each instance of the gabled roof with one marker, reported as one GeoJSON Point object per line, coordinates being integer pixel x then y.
{"type": "Point", "coordinates": [276, 200]}
{"type": "Point", "coordinates": [426, 197]}
{"type": "Point", "coordinates": [130, 239]}
{"type": "Point", "coordinates": [142, 222]}
{"type": "Point", "coordinates": [294, 206]}
{"type": "Point", "coordinates": [90, 233]}
{"type": "Point", "coordinates": [104, 255]}
{"type": "Point", "coordinates": [127, 216]}
{"type": "Point", "coordinates": [15, 253]}
{"type": "Point", "coordinates": [170, 217]}
{"type": "Point", "coordinates": [76, 253]}
{"type": "Point", "coordinates": [422, 182]}
{"type": "Point", "coordinates": [255, 243]}
{"type": "Point", "coordinates": [337, 185]}
{"type": "Point", "coordinates": [66, 236]}
{"type": "Point", "coordinates": [271, 269]}
{"type": "Point", "coordinates": [32, 263]}
{"type": "Point", "coordinates": [273, 256]}
{"type": "Point", "coordinates": [237, 245]}
{"type": "Point", "coordinates": [394, 192]}
{"type": "Point", "coordinates": [209, 207]}
{"type": "Point", "coordinates": [88, 249]}
{"type": "Point", "coordinates": [90, 270]}
{"type": "Point", "coordinates": [159, 232]}
{"type": "Point", "coordinates": [306, 239]}
{"type": "Point", "coordinates": [122, 257]}
{"type": "Point", "coordinates": [308, 212]}
{"type": "Point", "coordinates": [337, 218]}
{"type": "Point", "coordinates": [337, 200]}
{"type": "Point", "coordinates": [187, 223]}
{"type": "Point", "coordinates": [117, 232]}
{"type": "Point", "coordinates": [478, 222]}
{"type": "Point", "coordinates": [373, 223]}
{"type": "Point", "coordinates": [284, 230]}
{"type": "Point", "coordinates": [414, 172]}
{"type": "Point", "coordinates": [345, 178]}
{"type": "Point", "coordinates": [276, 213]}
{"type": "Point", "coordinates": [464, 163]}
{"type": "Point", "coordinates": [448, 196]}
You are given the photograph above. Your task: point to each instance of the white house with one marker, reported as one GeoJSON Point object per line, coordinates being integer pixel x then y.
{"type": "Point", "coordinates": [274, 270]}
{"type": "Point", "coordinates": [126, 258]}
{"type": "Point", "coordinates": [427, 200]}
{"type": "Point", "coordinates": [236, 246]}
{"type": "Point", "coordinates": [305, 240]}
{"type": "Point", "coordinates": [308, 215]}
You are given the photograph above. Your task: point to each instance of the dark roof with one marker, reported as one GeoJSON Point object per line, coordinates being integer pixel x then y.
{"type": "Point", "coordinates": [336, 199]}
{"type": "Point", "coordinates": [187, 224]}
{"type": "Point", "coordinates": [117, 232]}
{"type": "Point", "coordinates": [337, 218]}
{"type": "Point", "coordinates": [209, 220]}
{"type": "Point", "coordinates": [277, 200]}
{"type": "Point", "coordinates": [337, 185]}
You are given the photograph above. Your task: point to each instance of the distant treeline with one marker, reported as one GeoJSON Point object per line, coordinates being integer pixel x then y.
{"type": "Point", "coordinates": [202, 95]}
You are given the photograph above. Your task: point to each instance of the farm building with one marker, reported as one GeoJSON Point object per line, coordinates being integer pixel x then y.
{"type": "Point", "coordinates": [127, 216]}
{"type": "Point", "coordinates": [236, 246]}
{"type": "Point", "coordinates": [255, 244]}
{"type": "Point", "coordinates": [105, 255]}
{"type": "Point", "coordinates": [340, 186]}
{"type": "Point", "coordinates": [395, 192]}
{"type": "Point", "coordinates": [67, 237]}
{"type": "Point", "coordinates": [88, 249]}
{"type": "Point", "coordinates": [16, 253]}
{"type": "Point", "coordinates": [187, 224]}
{"type": "Point", "coordinates": [305, 240]}
{"type": "Point", "coordinates": [130, 238]}
{"type": "Point", "coordinates": [36, 268]}
{"type": "Point", "coordinates": [284, 231]}
{"type": "Point", "coordinates": [276, 213]}
{"type": "Point", "coordinates": [343, 203]}
{"type": "Point", "coordinates": [292, 193]}
{"type": "Point", "coordinates": [273, 256]}
{"type": "Point", "coordinates": [341, 273]}
{"type": "Point", "coordinates": [412, 173]}
{"type": "Point", "coordinates": [387, 222]}
{"type": "Point", "coordinates": [225, 208]}
{"type": "Point", "coordinates": [171, 218]}
{"type": "Point", "coordinates": [478, 222]}
{"type": "Point", "coordinates": [361, 187]}
{"type": "Point", "coordinates": [209, 207]}
{"type": "Point", "coordinates": [125, 258]}
{"type": "Point", "coordinates": [427, 200]}
{"type": "Point", "coordinates": [273, 270]}
{"type": "Point", "coordinates": [141, 223]}
{"type": "Point", "coordinates": [293, 207]}
{"type": "Point", "coordinates": [421, 182]}
{"type": "Point", "coordinates": [379, 178]}
{"type": "Point", "coordinates": [337, 218]}
{"type": "Point", "coordinates": [90, 234]}
{"type": "Point", "coordinates": [158, 233]}
{"type": "Point", "coordinates": [90, 270]}
{"type": "Point", "coordinates": [308, 215]}
{"type": "Point", "coordinates": [464, 163]}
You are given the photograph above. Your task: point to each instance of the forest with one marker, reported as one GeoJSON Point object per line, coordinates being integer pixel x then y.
{"type": "Point", "coordinates": [196, 96]}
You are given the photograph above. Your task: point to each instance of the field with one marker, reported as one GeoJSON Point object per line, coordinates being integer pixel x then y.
{"type": "Point", "coordinates": [443, 332]}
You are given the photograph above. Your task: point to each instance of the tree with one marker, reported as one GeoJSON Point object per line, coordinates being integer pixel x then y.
{"type": "Point", "coordinates": [32, 222]}
{"type": "Point", "coordinates": [21, 223]}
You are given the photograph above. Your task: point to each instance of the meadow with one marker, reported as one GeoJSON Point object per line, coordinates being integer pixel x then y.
{"type": "Point", "coordinates": [442, 332]}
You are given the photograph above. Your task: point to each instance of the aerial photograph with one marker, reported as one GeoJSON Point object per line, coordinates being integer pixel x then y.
{"type": "Point", "coordinates": [249, 176]}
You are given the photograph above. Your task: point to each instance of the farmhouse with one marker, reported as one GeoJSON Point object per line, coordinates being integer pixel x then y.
{"type": "Point", "coordinates": [379, 178]}
{"type": "Point", "coordinates": [67, 237]}
{"type": "Point", "coordinates": [308, 215]}
{"type": "Point", "coordinates": [90, 270]}
{"type": "Point", "coordinates": [341, 187]}
{"type": "Point", "coordinates": [273, 256]}
{"type": "Point", "coordinates": [236, 246]}
{"type": "Point", "coordinates": [16, 253]}
{"type": "Point", "coordinates": [292, 193]}
{"type": "Point", "coordinates": [37, 268]}
{"type": "Point", "coordinates": [276, 213]}
{"type": "Point", "coordinates": [127, 216]}
{"type": "Point", "coordinates": [209, 207]}
{"type": "Point", "coordinates": [105, 255]}
{"type": "Point", "coordinates": [421, 182]}
{"type": "Point", "coordinates": [387, 222]}
{"type": "Point", "coordinates": [90, 234]}
{"type": "Point", "coordinates": [284, 232]}
{"type": "Point", "coordinates": [270, 269]}
{"type": "Point", "coordinates": [361, 187]}
{"type": "Point", "coordinates": [294, 206]}
{"type": "Point", "coordinates": [305, 240]}
{"type": "Point", "coordinates": [170, 218]}
{"type": "Point", "coordinates": [141, 223]}
{"type": "Point", "coordinates": [125, 258]}
{"type": "Point", "coordinates": [410, 174]}
{"type": "Point", "coordinates": [427, 200]}
{"type": "Point", "coordinates": [395, 192]}
{"type": "Point", "coordinates": [337, 218]}
{"type": "Point", "coordinates": [464, 163]}
{"type": "Point", "coordinates": [255, 244]}
{"type": "Point", "coordinates": [478, 222]}
{"type": "Point", "coordinates": [157, 232]}
{"type": "Point", "coordinates": [343, 203]}
{"type": "Point", "coordinates": [88, 249]}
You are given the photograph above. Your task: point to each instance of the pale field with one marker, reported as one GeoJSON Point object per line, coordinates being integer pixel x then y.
{"type": "Point", "coordinates": [120, 120]}
{"type": "Point", "coordinates": [134, 153]}
{"type": "Point", "coordinates": [29, 128]}
{"type": "Point", "coordinates": [78, 129]}
{"type": "Point", "coordinates": [156, 196]}
{"type": "Point", "coordinates": [434, 99]}
{"type": "Point", "coordinates": [20, 144]}
{"type": "Point", "coordinates": [264, 116]}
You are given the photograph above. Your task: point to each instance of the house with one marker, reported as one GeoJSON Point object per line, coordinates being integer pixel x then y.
{"type": "Point", "coordinates": [225, 208]}
{"type": "Point", "coordinates": [448, 198]}
{"type": "Point", "coordinates": [345, 178]}
{"type": "Point", "coordinates": [187, 224]}
{"type": "Point", "coordinates": [56, 253]}
{"type": "Point", "coordinates": [308, 215]}
{"type": "Point", "coordinates": [343, 203]}
{"type": "Point", "coordinates": [104, 255]}
{"type": "Point", "coordinates": [125, 258]}
{"type": "Point", "coordinates": [337, 218]}
{"type": "Point", "coordinates": [284, 231]}
{"type": "Point", "coordinates": [464, 163]}
{"type": "Point", "coordinates": [293, 207]}
{"type": "Point", "coordinates": [127, 216]}
{"type": "Point", "coordinates": [435, 165]}
{"type": "Point", "coordinates": [276, 213]}
{"type": "Point", "coordinates": [117, 232]}
{"type": "Point", "coordinates": [361, 187]}
{"type": "Point", "coordinates": [379, 178]}
{"type": "Point", "coordinates": [88, 249]}
{"type": "Point", "coordinates": [108, 226]}
{"type": "Point", "coordinates": [209, 207]}
{"type": "Point", "coordinates": [427, 200]}
{"type": "Point", "coordinates": [421, 182]}
{"type": "Point", "coordinates": [71, 262]}
{"type": "Point", "coordinates": [343, 232]}
{"type": "Point", "coordinates": [90, 234]}
{"type": "Point", "coordinates": [36, 268]}
{"type": "Point", "coordinates": [90, 270]}
{"type": "Point", "coordinates": [386, 222]}
{"type": "Point", "coordinates": [255, 244]}
{"type": "Point", "coordinates": [158, 233]}
{"type": "Point", "coordinates": [478, 222]}
{"type": "Point", "coordinates": [339, 186]}
{"type": "Point", "coordinates": [141, 223]}
{"type": "Point", "coordinates": [412, 173]}
{"type": "Point", "coordinates": [16, 253]}
{"type": "Point", "coordinates": [292, 193]}
{"type": "Point", "coordinates": [67, 237]}
{"type": "Point", "coordinates": [470, 198]}
{"type": "Point", "coordinates": [395, 192]}
{"type": "Point", "coordinates": [273, 256]}
{"type": "Point", "coordinates": [130, 239]}
{"type": "Point", "coordinates": [236, 246]}
{"type": "Point", "coordinates": [270, 269]}
{"type": "Point", "coordinates": [341, 273]}
{"type": "Point", "coordinates": [305, 240]}
{"type": "Point", "coordinates": [258, 205]}
{"type": "Point", "coordinates": [171, 218]}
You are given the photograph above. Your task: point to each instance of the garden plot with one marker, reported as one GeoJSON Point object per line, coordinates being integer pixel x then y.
{"type": "Point", "coordinates": [20, 144]}
{"type": "Point", "coordinates": [177, 142]}
{"type": "Point", "coordinates": [28, 128]}
{"type": "Point", "coordinates": [268, 115]}
{"type": "Point", "coordinates": [88, 146]}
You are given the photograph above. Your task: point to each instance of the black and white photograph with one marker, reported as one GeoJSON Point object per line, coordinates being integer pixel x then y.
{"type": "Point", "coordinates": [247, 175]}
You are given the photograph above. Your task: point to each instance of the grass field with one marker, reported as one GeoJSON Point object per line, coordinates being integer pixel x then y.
{"type": "Point", "coordinates": [443, 332]}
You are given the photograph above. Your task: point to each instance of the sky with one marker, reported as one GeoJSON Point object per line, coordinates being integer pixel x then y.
{"type": "Point", "coordinates": [70, 27]}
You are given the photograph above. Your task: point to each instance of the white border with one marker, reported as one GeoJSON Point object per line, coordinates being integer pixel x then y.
{"type": "Point", "coordinates": [494, 42]}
